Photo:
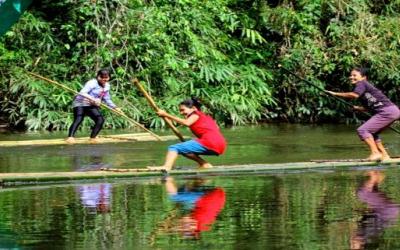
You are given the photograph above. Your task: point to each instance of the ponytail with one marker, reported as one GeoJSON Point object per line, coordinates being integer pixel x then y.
{"type": "Point", "coordinates": [192, 102]}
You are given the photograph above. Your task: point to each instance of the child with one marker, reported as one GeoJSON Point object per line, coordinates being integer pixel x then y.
{"type": "Point", "coordinates": [209, 139]}
{"type": "Point", "coordinates": [87, 104]}
{"type": "Point", "coordinates": [383, 110]}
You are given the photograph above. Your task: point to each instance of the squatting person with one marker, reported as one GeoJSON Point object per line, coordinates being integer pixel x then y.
{"type": "Point", "coordinates": [209, 139]}
{"type": "Point", "coordinates": [383, 111]}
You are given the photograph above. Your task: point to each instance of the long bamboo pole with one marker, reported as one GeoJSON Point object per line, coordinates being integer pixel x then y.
{"type": "Point", "coordinates": [101, 104]}
{"type": "Point", "coordinates": [156, 108]}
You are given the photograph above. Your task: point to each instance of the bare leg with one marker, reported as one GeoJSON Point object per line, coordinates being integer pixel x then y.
{"type": "Point", "coordinates": [202, 163]}
{"type": "Point", "coordinates": [170, 186]}
{"type": "Point", "coordinates": [169, 161]}
{"type": "Point", "coordinates": [381, 148]}
{"type": "Point", "coordinates": [375, 154]}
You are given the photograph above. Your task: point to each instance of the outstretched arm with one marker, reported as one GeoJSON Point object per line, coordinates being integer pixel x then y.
{"type": "Point", "coordinates": [349, 95]}
{"type": "Point", "coordinates": [187, 122]}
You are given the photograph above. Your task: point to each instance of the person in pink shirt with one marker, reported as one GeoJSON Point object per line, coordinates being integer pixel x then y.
{"type": "Point", "coordinates": [209, 139]}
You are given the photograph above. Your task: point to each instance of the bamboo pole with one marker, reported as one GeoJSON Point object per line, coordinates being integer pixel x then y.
{"type": "Point", "coordinates": [156, 108]}
{"type": "Point", "coordinates": [101, 104]}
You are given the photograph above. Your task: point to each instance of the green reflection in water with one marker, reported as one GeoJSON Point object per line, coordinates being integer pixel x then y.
{"type": "Point", "coordinates": [304, 210]}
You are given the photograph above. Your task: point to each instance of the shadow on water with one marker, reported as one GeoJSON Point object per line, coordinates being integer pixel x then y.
{"type": "Point", "coordinates": [92, 162]}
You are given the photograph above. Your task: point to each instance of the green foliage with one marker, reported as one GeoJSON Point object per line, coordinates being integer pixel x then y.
{"type": "Point", "coordinates": [322, 41]}
{"type": "Point", "coordinates": [178, 49]}
{"type": "Point", "coordinates": [224, 51]}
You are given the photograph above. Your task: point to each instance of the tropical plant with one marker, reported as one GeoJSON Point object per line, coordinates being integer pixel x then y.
{"type": "Point", "coordinates": [224, 51]}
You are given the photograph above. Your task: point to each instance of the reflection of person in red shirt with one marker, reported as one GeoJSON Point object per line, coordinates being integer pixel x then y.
{"type": "Point", "coordinates": [202, 205]}
{"type": "Point", "coordinates": [207, 208]}
{"type": "Point", "coordinates": [382, 212]}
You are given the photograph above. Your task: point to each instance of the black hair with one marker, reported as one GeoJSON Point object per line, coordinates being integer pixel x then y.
{"type": "Point", "coordinates": [192, 102]}
{"type": "Point", "coordinates": [363, 71]}
{"type": "Point", "coordinates": [103, 72]}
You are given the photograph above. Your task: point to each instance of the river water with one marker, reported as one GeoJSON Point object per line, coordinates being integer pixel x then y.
{"type": "Point", "coordinates": [354, 208]}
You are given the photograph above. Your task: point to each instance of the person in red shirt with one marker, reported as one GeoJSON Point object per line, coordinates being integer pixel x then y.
{"type": "Point", "coordinates": [209, 139]}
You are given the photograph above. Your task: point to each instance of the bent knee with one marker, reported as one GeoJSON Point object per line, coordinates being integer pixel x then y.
{"type": "Point", "coordinates": [363, 133]}
{"type": "Point", "coordinates": [174, 148]}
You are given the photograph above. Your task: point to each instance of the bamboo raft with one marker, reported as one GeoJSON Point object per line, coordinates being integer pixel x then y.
{"type": "Point", "coordinates": [110, 173]}
{"type": "Point", "coordinates": [101, 140]}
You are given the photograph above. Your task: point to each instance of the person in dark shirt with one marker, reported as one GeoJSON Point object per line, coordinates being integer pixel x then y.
{"type": "Point", "coordinates": [383, 111]}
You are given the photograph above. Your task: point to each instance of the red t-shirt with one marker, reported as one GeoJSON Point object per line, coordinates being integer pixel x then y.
{"type": "Point", "coordinates": [208, 134]}
{"type": "Point", "coordinates": [207, 208]}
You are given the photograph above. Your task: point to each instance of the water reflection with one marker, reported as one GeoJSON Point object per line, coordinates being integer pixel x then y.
{"type": "Point", "coordinates": [96, 197]}
{"type": "Point", "coordinates": [91, 163]}
{"type": "Point", "coordinates": [382, 211]}
{"type": "Point", "coordinates": [197, 208]}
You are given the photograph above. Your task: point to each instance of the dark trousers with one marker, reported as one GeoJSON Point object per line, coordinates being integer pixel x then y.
{"type": "Point", "coordinates": [94, 113]}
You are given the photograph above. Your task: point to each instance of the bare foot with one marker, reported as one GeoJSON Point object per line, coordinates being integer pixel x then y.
{"type": "Point", "coordinates": [385, 157]}
{"type": "Point", "coordinates": [374, 157]}
{"type": "Point", "coordinates": [162, 168]}
{"type": "Point", "coordinates": [93, 140]}
{"type": "Point", "coordinates": [205, 166]}
{"type": "Point", "coordinates": [70, 140]}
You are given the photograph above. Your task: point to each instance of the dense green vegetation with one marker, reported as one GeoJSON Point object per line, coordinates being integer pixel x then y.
{"type": "Point", "coordinates": [224, 51]}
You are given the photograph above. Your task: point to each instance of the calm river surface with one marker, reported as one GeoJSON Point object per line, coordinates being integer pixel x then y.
{"type": "Point", "coordinates": [353, 208]}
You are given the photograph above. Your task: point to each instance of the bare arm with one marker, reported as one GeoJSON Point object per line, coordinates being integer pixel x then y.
{"type": "Point", "coordinates": [349, 95]}
{"type": "Point", "coordinates": [187, 122]}
{"type": "Point", "coordinates": [360, 108]}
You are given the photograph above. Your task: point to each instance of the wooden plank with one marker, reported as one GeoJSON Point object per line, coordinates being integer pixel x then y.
{"type": "Point", "coordinates": [85, 140]}
{"type": "Point", "coordinates": [23, 178]}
